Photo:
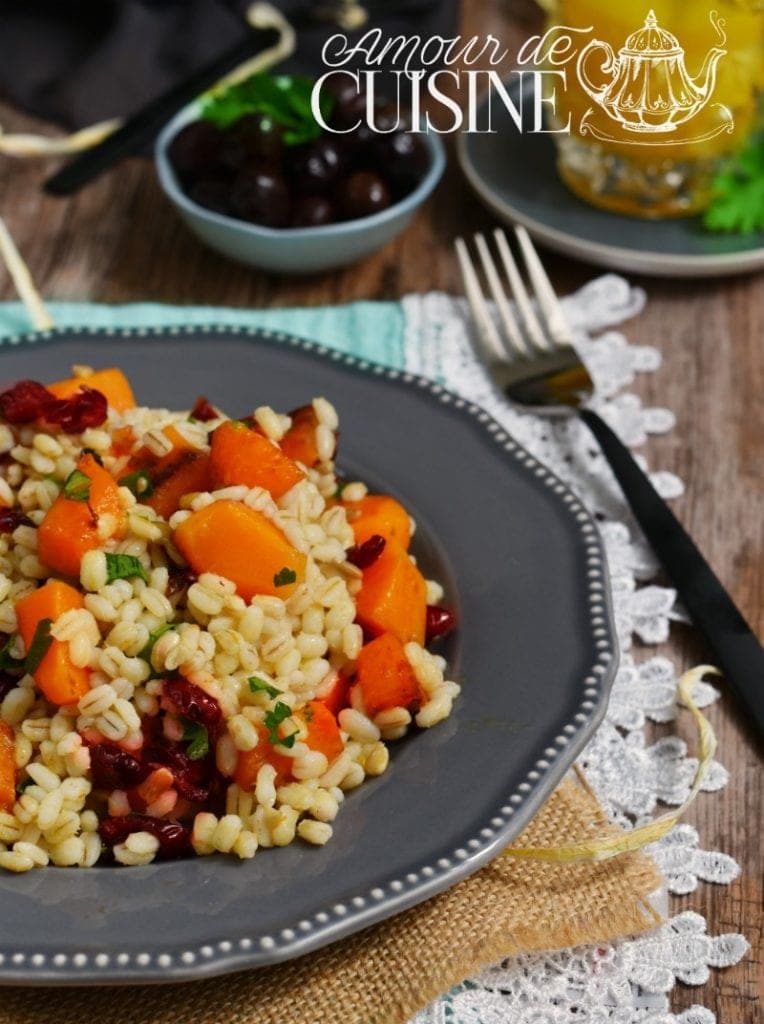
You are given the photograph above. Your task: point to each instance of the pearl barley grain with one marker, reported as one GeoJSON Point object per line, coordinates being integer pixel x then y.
{"type": "Point", "coordinates": [316, 832]}
{"type": "Point", "coordinates": [255, 663]}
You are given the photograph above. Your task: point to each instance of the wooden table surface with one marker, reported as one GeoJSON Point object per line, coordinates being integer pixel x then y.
{"type": "Point", "coordinates": [119, 241]}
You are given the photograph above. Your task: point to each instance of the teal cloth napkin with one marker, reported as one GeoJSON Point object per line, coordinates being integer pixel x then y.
{"type": "Point", "coordinates": [371, 330]}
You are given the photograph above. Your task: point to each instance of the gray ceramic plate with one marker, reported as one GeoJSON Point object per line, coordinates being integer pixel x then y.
{"type": "Point", "coordinates": [515, 176]}
{"type": "Point", "coordinates": [535, 650]}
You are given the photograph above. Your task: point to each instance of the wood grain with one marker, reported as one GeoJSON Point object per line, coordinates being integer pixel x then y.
{"type": "Point", "coordinates": [118, 241]}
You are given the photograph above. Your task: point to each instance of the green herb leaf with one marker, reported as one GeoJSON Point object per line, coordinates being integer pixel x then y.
{"type": "Point", "coordinates": [284, 577]}
{"type": "Point", "coordinates": [284, 99]}
{"type": "Point", "coordinates": [77, 486]}
{"type": "Point", "coordinates": [198, 740]}
{"type": "Point", "coordinates": [154, 635]}
{"type": "Point", "coordinates": [256, 685]}
{"type": "Point", "coordinates": [7, 662]}
{"type": "Point", "coordinates": [41, 641]}
{"type": "Point", "coordinates": [738, 193]}
{"type": "Point", "coordinates": [138, 483]}
{"type": "Point", "coordinates": [124, 567]}
{"type": "Point", "coordinates": [24, 785]}
{"type": "Point", "coordinates": [273, 720]}
{"type": "Point", "coordinates": [340, 488]}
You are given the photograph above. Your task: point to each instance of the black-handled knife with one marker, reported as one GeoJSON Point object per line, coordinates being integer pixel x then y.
{"type": "Point", "coordinates": [738, 653]}
{"type": "Point", "coordinates": [141, 128]}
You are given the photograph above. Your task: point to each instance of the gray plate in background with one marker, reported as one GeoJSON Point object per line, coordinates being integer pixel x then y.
{"type": "Point", "coordinates": [535, 651]}
{"type": "Point", "coordinates": [515, 175]}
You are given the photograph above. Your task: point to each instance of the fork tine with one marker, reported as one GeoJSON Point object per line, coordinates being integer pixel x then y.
{"type": "Point", "coordinates": [486, 329]}
{"type": "Point", "coordinates": [533, 328]}
{"type": "Point", "coordinates": [556, 323]}
{"type": "Point", "coordinates": [512, 330]}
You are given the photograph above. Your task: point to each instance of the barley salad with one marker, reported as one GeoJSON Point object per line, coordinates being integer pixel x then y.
{"type": "Point", "coordinates": [208, 638]}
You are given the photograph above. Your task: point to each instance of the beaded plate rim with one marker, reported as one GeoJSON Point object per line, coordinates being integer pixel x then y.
{"type": "Point", "coordinates": [171, 964]}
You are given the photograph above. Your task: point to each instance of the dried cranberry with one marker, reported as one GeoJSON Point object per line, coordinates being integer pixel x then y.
{"type": "Point", "coordinates": [86, 408]}
{"type": "Point", "coordinates": [204, 410]}
{"type": "Point", "coordinates": [113, 768]}
{"type": "Point", "coordinates": [174, 838]}
{"type": "Point", "coordinates": [192, 702]}
{"type": "Point", "coordinates": [180, 577]}
{"type": "Point", "coordinates": [366, 554]}
{"type": "Point", "coordinates": [26, 401]}
{"type": "Point", "coordinates": [439, 622]}
{"type": "Point", "coordinates": [192, 779]}
{"type": "Point", "coordinates": [10, 518]}
{"type": "Point", "coordinates": [189, 790]}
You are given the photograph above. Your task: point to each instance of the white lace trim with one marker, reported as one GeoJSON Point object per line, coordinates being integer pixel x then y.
{"type": "Point", "coordinates": [625, 982]}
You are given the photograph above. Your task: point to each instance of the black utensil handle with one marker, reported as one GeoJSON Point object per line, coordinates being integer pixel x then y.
{"type": "Point", "coordinates": [738, 653]}
{"type": "Point", "coordinates": [143, 126]}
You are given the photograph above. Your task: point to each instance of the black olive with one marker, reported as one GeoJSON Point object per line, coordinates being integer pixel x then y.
{"type": "Point", "coordinates": [349, 102]}
{"type": "Point", "coordinates": [211, 193]}
{"type": "Point", "coordinates": [261, 197]}
{"type": "Point", "coordinates": [404, 158]}
{"type": "Point", "coordinates": [316, 168]}
{"type": "Point", "coordinates": [195, 150]}
{"type": "Point", "coordinates": [362, 194]}
{"type": "Point", "coordinates": [254, 139]}
{"type": "Point", "coordinates": [311, 211]}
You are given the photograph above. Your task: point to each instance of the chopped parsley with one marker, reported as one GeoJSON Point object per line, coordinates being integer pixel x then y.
{"type": "Point", "coordinates": [24, 785]}
{"type": "Point", "coordinates": [124, 567]}
{"type": "Point", "coordinates": [77, 486]}
{"type": "Point", "coordinates": [259, 685]}
{"type": "Point", "coordinates": [154, 635]}
{"type": "Point", "coordinates": [273, 720]}
{"type": "Point", "coordinates": [39, 646]}
{"type": "Point", "coordinates": [284, 577]}
{"type": "Point", "coordinates": [198, 740]}
{"type": "Point", "coordinates": [139, 484]}
{"type": "Point", "coordinates": [283, 100]}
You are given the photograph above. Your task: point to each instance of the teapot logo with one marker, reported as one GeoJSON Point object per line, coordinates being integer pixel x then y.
{"type": "Point", "coordinates": [647, 90]}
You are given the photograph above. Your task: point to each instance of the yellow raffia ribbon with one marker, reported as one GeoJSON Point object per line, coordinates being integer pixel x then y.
{"type": "Point", "coordinates": [604, 847]}
{"type": "Point", "coordinates": [262, 15]}
{"type": "Point", "coordinates": [23, 282]}
{"type": "Point", "coordinates": [25, 144]}
{"type": "Point", "coordinates": [258, 15]}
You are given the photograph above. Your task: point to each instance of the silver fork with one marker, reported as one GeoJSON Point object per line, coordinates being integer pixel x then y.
{"type": "Point", "coordinates": [532, 360]}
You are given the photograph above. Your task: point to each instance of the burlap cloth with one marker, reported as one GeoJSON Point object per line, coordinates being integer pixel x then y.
{"type": "Point", "coordinates": [386, 973]}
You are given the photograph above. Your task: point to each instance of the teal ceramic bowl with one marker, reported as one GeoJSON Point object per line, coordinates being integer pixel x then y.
{"type": "Point", "coordinates": [293, 250]}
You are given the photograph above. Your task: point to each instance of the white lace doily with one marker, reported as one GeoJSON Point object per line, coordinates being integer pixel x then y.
{"type": "Point", "coordinates": [627, 982]}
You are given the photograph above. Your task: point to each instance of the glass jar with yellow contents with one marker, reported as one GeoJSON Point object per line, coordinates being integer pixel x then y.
{"type": "Point", "coordinates": [656, 99]}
